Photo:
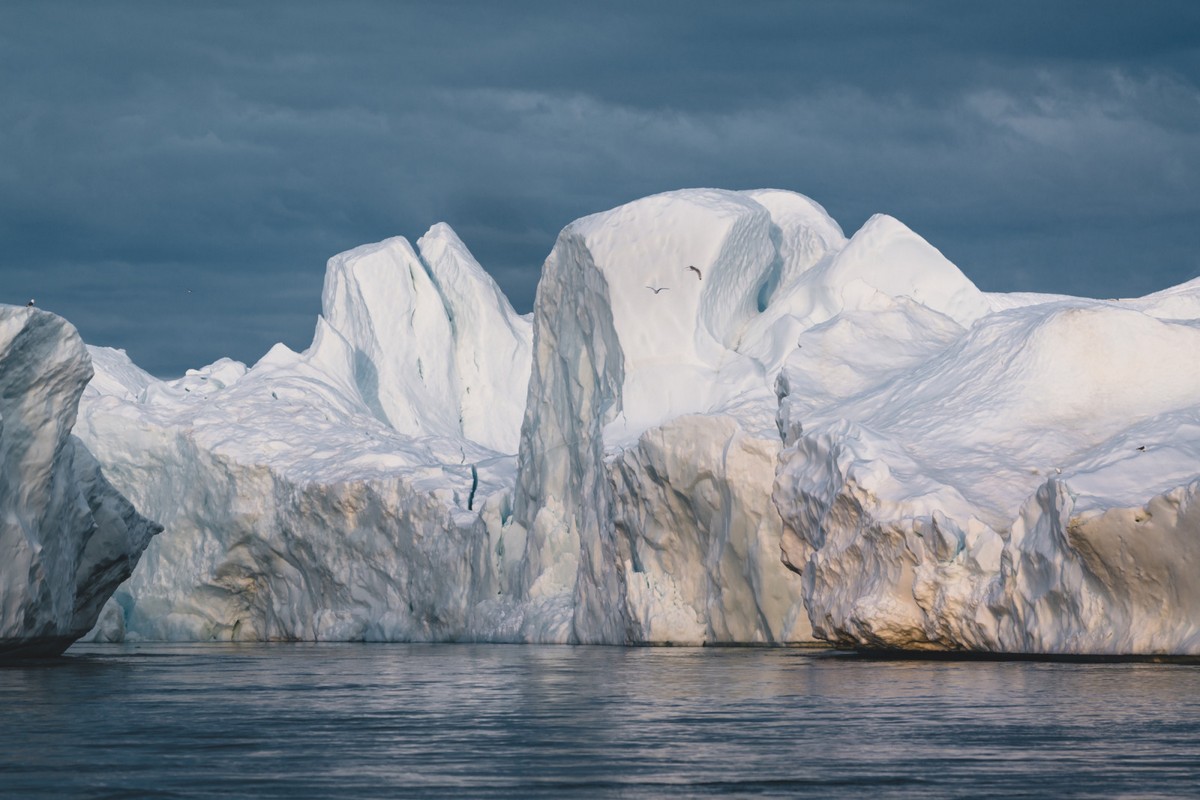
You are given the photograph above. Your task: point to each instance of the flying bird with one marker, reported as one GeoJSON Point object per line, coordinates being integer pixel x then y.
{"type": "Point", "coordinates": [657, 289]}
{"type": "Point", "coordinates": [1142, 448]}
{"type": "Point", "coordinates": [699, 277]}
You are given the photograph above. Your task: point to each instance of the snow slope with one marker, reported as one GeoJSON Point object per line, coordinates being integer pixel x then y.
{"type": "Point", "coordinates": [67, 536]}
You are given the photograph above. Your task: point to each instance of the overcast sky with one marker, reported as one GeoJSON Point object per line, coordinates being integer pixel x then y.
{"type": "Point", "coordinates": [173, 176]}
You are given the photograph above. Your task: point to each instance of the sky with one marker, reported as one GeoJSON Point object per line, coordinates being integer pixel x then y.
{"type": "Point", "coordinates": [173, 176]}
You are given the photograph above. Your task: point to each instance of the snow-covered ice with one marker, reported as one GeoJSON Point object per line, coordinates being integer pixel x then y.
{"type": "Point", "coordinates": [724, 422]}
{"type": "Point", "coordinates": [341, 493]}
{"type": "Point", "coordinates": [67, 536]}
{"type": "Point", "coordinates": [1024, 486]}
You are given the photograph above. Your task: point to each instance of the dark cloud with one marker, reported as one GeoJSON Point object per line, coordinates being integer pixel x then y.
{"type": "Point", "coordinates": [229, 149]}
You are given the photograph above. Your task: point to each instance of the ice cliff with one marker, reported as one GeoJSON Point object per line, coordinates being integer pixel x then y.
{"type": "Point", "coordinates": [68, 538]}
{"type": "Point", "coordinates": [649, 426]}
{"type": "Point", "coordinates": [710, 380]}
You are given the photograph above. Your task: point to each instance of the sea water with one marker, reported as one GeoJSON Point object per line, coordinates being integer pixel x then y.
{"type": "Point", "coordinates": [360, 720]}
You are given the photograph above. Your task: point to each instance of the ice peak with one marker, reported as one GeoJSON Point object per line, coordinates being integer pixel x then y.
{"type": "Point", "coordinates": [888, 256]}
{"type": "Point", "coordinates": [425, 329]}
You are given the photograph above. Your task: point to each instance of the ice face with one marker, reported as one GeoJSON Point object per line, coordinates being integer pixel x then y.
{"type": "Point", "coordinates": [68, 537]}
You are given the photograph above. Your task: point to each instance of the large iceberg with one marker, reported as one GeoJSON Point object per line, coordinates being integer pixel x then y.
{"type": "Point", "coordinates": [68, 538]}
{"type": "Point", "coordinates": [724, 422]}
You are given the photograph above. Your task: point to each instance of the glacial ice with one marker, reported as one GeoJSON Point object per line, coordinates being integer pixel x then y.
{"type": "Point", "coordinates": [67, 536]}
{"type": "Point", "coordinates": [710, 380]}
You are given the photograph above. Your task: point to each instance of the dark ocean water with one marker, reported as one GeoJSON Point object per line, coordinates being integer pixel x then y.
{"type": "Point", "coordinates": [294, 720]}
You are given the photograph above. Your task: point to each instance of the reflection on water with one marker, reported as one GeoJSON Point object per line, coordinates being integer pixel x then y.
{"type": "Point", "coordinates": [292, 720]}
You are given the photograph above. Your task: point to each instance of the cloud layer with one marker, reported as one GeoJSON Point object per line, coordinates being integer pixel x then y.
{"type": "Point", "coordinates": [175, 175]}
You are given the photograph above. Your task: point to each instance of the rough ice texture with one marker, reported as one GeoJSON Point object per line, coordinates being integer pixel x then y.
{"type": "Point", "coordinates": [710, 379]}
{"type": "Point", "coordinates": [1026, 486]}
{"type": "Point", "coordinates": [67, 536]}
{"type": "Point", "coordinates": [699, 538]}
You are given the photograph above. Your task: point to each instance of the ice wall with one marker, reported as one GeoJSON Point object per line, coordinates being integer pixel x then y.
{"type": "Point", "coordinates": [698, 537]}
{"type": "Point", "coordinates": [67, 536]}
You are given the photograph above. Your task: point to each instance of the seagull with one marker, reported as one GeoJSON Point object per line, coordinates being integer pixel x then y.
{"type": "Point", "coordinates": [30, 303]}
{"type": "Point", "coordinates": [699, 277]}
{"type": "Point", "coordinates": [657, 289]}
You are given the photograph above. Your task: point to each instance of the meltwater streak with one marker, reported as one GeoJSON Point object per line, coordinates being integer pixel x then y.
{"type": "Point", "coordinates": [295, 720]}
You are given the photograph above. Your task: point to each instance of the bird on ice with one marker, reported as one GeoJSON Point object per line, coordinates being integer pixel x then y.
{"type": "Point", "coordinates": [699, 277]}
{"type": "Point", "coordinates": [657, 289]}
{"type": "Point", "coordinates": [30, 303]}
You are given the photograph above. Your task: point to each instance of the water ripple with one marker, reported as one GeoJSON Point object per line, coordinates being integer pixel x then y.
{"type": "Point", "coordinates": [196, 721]}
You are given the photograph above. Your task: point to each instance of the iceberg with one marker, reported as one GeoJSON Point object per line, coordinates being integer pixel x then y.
{"type": "Point", "coordinates": [723, 422]}
{"type": "Point", "coordinates": [68, 537]}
